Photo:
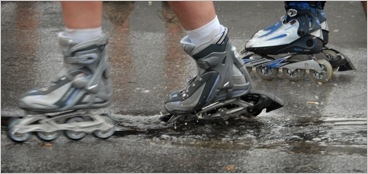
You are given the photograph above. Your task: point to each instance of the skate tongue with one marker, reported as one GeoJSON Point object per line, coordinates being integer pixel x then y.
{"type": "Point", "coordinates": [187, 45]}
{"type": "Point", "coordinates": [65, 44]}
{"type": "Point", "coordinates": [193, 49]}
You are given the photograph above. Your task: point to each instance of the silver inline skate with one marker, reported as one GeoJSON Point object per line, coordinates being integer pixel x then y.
{"type": "Point", "coordinates": [64, 106]}
{"type": "Point", "coordinates": [221, 89]}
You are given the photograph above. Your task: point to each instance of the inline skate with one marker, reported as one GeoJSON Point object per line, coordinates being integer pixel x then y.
{"type": "Point", "coordinates": [221, 89]}
{"type": "Point", "coordinates": [295, 46]}
{"type": "Point", "coordinates": [64, 106]}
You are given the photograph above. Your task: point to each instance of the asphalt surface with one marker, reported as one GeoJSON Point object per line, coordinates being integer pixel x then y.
{"type": "Point", "coordinates": [322, 127]}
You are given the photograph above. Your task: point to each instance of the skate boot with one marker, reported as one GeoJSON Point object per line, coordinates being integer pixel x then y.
{"type": "Point", "coordinates": [221, 88]}
{"type": "Point", "coordinates": [82, 84]}
{"type": "Point", "coordinates": [220, 76]}
{"type": "Point", "coordinates": [319, 12]}
{"type": "Point", "coordinates": [295, 45]}
{"type": "Point", "coordinates": [299, 31]}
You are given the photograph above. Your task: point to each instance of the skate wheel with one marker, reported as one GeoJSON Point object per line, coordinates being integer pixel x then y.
{"type": "Point", "coordinates": [266, 73]}
{"type": "Point", "coordinates": [331, 56]}
{"type": "Point", "coordinates": [293, 75]}
{"type": "Point", "coordinates": [14, 136]}
{"type": "Point", "coordinates": [105, 134]}
{"type": "Point", "coordinates": [74, 135]}
{"type": "Point", "coordinates": [48, 136]}
{"type": "Point", "coordinates": [325, 74]}
{"type": "Point", "coordinates": [253, 99]}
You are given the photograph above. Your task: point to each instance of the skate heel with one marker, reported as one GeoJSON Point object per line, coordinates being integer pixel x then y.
{"type": "Point", "coordinates": [338, 60]}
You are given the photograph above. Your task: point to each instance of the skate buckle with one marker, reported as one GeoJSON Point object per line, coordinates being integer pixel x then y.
{"type": "Point", "coordinates": [292, 13]}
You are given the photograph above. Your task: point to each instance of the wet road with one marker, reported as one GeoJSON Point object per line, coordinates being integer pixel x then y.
{"type": "Point", "coordinates": [321, 128]}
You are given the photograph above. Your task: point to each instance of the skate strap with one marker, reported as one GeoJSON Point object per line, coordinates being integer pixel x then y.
{"type": "Point", "coordinates": [229, 93]}
{"type": "Point", "coordinates": [228, 86]}
{"type": "Point", "coordinates": [93, 84]}
{"type": "Point", "coordinates": [84, 57]}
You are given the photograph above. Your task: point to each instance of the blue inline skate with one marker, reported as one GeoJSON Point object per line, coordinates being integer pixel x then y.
{"type": "Point", "coordinates": [295, 46]}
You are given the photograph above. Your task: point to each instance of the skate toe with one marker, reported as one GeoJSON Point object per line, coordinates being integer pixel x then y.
{"type": "Point", "coordinates": [175, 107]}
{"type": "Point", "coordinates": [32, 103]}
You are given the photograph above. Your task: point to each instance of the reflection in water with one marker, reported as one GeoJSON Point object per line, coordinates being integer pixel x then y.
{"type": "Point", "coordinates": [167, 15]}
{"type": "Point", "coordinates": [175, 58]}
{"type": "Point", "coordinates": [19, 49]}
{"type": "Point", "coordinates": [120, 49]}
{"type": "Point", "coordinates": [146, 66]}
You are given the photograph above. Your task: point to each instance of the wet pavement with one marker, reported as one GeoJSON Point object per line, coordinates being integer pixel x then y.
{"type": "Point", "coordinates": [321, 128]}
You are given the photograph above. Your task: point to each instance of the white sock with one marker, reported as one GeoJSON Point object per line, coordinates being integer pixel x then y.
{"type": "Point", "coordinates": [81, 35]}
{"type": "Point", "coordinates": [205, 33]}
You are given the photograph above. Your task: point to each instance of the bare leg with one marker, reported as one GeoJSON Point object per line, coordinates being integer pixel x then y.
{"type": "Point", "coordinates": [83, 20]}
{"type": "Point", "coordinates": [193, 14]}
{"type": "Point", "coordinates": [81, 15]}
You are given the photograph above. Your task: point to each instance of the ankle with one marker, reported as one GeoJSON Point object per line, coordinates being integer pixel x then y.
{"type": "Point", "coordinates": [81, 35]}
{"type": "Point", "coordinates": [205, 33]}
